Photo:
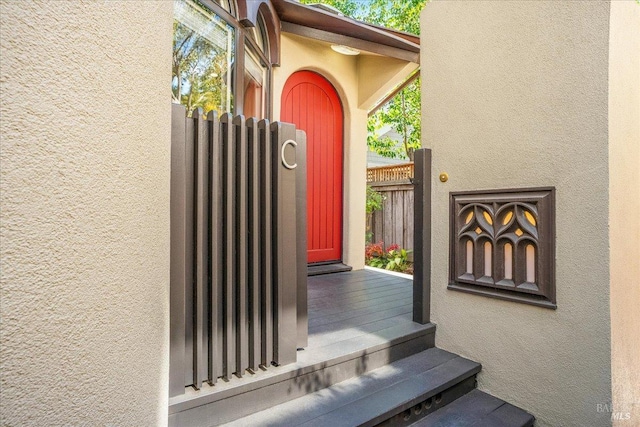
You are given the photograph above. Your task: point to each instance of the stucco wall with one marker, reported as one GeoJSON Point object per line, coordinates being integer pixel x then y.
{"type": "Point", "coordinates": [515, 95]}
{"type": "Point", "coordinates": [85, 123]}
{"type": "Point", "coordinates": [624, 196]}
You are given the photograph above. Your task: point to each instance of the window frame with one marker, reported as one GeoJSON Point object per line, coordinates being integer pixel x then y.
{"type": "Point", "coordinates": [242, 41]}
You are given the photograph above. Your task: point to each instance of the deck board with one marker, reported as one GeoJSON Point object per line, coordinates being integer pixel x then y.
{"type": "Point", "coordinates": [356, 302]}
{"type": "Point", "coordinates": [358, 321]}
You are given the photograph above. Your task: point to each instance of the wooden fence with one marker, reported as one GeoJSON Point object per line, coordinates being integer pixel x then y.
{"type": "Point", "coordinates": [235, 229]}
{"type": "Point", "coordinates": [393, 173]}
{"type": "Point", "coordinates": [394, 222]}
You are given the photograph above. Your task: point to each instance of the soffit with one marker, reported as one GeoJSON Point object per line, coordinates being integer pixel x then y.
{"type": "Point", "coordinates": [318, 24]}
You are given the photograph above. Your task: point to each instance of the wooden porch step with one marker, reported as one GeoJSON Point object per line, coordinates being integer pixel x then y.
{"type": "Point", "coordinates": [336, 356]}
{"type": "Point", "coordinates": [395, 394]}
{"type": "Point", "coordinates": [478, 409]}
{"type": "Point", "coordinates": [327, 268]}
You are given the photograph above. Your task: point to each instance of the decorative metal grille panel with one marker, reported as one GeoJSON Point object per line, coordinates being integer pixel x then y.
{"type": "Point", "coordinates": [502, 244]}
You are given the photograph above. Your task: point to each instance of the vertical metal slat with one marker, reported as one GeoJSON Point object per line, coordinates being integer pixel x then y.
{"type": "Point", "coordinates": [229, 188]}
{"type": "Point", "coordinates": [201, 245]}
{"type": "Point", "coordinates": [189, 250]}
{"type": "Point", "coordinates": [242, 340]}
{"type": "Point", "coordinates": [215, 255]}
{"type": "Point", "coordinates": [253, 140]}
{"type": "Point", "coordinates": [177, 264]}
{"type": "Point", "coordinates": [266, 243]}
{"type": "Point", "coordinates": [301, 239]}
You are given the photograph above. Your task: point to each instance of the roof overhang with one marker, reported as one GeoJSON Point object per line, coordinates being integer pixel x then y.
{"type": "Point", "coordinates": [316, 23]}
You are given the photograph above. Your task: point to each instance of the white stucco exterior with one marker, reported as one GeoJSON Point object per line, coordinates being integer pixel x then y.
{"type": "Point", "coordinates": [84, 233]}
{"type": "Point", "coordinates": [518, 94]}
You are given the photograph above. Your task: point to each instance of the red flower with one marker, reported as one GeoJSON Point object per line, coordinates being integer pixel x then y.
{"type": "Point", "coordinates": [393, 247]}
{"type": "Point", "coordinates": [373, 250]}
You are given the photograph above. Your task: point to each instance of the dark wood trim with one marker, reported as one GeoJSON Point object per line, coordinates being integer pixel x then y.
{"type": "Point", "coordinates": [402, 34]}
{"type": "Point", "coordinates": [503, 190]}
{"type": "Point", "coordinates": [316, 18]}
{"type": "Point", "coordinates": [248, 12]}
{"type": "Point", "coordinates": [369, 46]}
{"type": "Point", "coordinates": [422, 237]}
{"type": "Point", "coordinates": [273, 25]}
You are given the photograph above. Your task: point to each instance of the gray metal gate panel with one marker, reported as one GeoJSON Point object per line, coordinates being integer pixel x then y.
{"type": "Point", "coordinates": [237, 221]}
{"type": "Point", "coordinates": [285, 330]}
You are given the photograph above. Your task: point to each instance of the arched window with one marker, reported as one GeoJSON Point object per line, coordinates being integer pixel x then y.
{"type": "Point", "coordinates": [256, 72]}
{"type": "Point", "coordinates": [219, 63]}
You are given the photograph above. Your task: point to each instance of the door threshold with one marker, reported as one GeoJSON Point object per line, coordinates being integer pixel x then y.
{"type": "Point", "coordinates": [327, 268]}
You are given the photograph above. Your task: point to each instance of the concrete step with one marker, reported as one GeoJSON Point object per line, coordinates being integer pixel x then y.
{"type": "Point", "coordinates": [477, 409]}
{"type": "Point", "coordinates": [396, 394]}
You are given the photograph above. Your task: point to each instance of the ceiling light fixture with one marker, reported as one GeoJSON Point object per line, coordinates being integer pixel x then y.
{"type": "Point", "coordinates": [345, 50]}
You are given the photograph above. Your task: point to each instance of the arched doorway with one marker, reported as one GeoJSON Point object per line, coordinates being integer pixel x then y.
{"type": "Point", "coordinates": [313, 105]}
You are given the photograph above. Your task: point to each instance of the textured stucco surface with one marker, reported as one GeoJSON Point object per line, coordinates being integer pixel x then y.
{"type": "Point", "coordinates": [85, 144]}
{"type": "Point", "coordinates": [624, 196]}
{"type": "Point", "coordinates": [351, 77]}
{"type": "Point", "coordinates": [378, 75]}
{"type": "Point", "coordinates": [515, 94]}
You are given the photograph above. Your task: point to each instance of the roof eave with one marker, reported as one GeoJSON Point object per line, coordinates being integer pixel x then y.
{"type": "Point", "coordinates": [316, 23]}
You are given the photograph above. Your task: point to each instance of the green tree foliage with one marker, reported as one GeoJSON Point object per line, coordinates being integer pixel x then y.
{"type": "Point", "coordinates": [198, 70]}
{"type": "Point", "coordinates": [402, 112]}
{"type": "Point", "coordinates": [402, 15]}
{"type": "Point", "coordinates": [374, 200]}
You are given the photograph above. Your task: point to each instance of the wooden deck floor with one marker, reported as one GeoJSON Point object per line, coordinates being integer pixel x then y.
{"type": "Point", "coordinates": [358, 321]}
{"type": "Point", "coordinates": [350, 304]}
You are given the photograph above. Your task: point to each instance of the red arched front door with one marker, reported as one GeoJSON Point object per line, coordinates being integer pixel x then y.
{"type": "Point", "coordinates": [311, 102]}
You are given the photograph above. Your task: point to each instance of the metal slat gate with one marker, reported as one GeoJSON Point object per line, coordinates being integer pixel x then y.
{"type": "Point", "coordinates": [234, 234]}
